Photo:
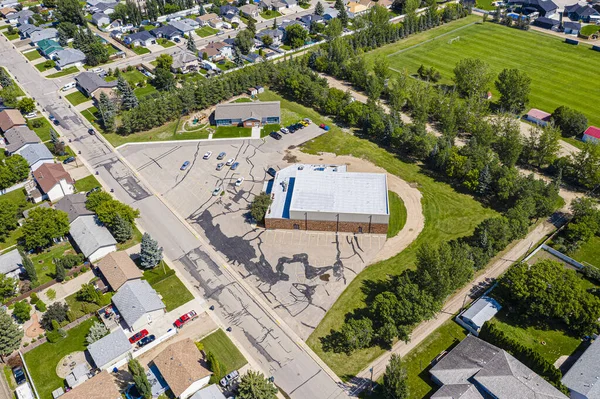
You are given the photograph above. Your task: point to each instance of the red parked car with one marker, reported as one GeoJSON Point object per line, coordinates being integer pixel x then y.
{"type": "Point", "coordinates": [138, 336]}
{"type": "Point", "coordinates": [179, 323]}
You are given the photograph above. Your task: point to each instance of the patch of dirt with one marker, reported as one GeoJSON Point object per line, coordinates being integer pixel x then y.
{"type": "Point", "coordinates": [35, 328]}
{"type": "Point", "coordinates": [66, 365]}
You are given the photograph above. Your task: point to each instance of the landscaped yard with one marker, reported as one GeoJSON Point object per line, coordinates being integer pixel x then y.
{"type": "Point", "coordinates": [18, 92]}
{"type": "Point", "coordinates": [19, 198]}
{"type": "Point", "coordinates": [77, 98]}
{"type": "Point", "coordinates": [32, 55]}
{"type": "Point", "coordinates": [270, 14]}
{"type": "Point", "coordinates": [397, 214]}
{"type": "Point", "coordinates": [81, 308]}
{"type": "Point", "coordinates": [91, 114]}
{"type": "Point", "coordinates": [589, 30]}
{"type": "Point", "coordinates": [44, 66]}
{"type": "Point", "coordinates": [11, 37]}
{"type": "Point", "coordinates": [168, 285]}
{"type": "Point", "coordinates": [134, 77]}
{"type": "Point", "coordinates": [140, 50]}
{"type": "Point", "coordinates": [42, 361]}
{"type": "Point", "coordinates": [226, 132]}
{"type": "Point", "coordinates": [86, 184]}
{"type": "Point", "coordinates": [142, 92]}
{"type": "Point", "coordinates": [43, 132]}
{"type": "Point", "coordinates": [134, 240]}
{"type": "Point", "coordinates": [44, 261]}
{"type": "Point", "coordinates": [165, 43]}
{"type": "Point", "coordinates": [589, 252]}
{"type": "Point", "coordinates": [206, 31]}
{"type": "Point", "coordinates": [219, 344]}
{"type": "Point", "coordinates": [64, 72]}
{"type": "Point", "coordinates": [242, 100]}
{"type": "Point", "coordinates": [225, 65]}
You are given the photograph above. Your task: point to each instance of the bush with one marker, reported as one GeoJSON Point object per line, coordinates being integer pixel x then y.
{"type": "Point", "coordinates": [591, 272]}
{"type": "Point", "coordinates": [37, 123]}
{"type": "Point", "coordinates": [259, 207]}
{"type": "Point", "coordinates": [33, 298]}
{"type": "Point", "coordinates": [40, 306]}
{"type": "Point", "coordinates": [51, 293]}
{"type": "Point", "coordinates": [22, 311]}
{"type": "Point", "coordinates": [69, 261]}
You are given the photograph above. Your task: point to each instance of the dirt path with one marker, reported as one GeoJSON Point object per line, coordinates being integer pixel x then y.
{"type": "Point", "coordinates": [411, 196]}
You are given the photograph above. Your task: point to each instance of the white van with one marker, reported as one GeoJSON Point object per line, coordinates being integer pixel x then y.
{"type": "Point", "coordinates": [69, 86]}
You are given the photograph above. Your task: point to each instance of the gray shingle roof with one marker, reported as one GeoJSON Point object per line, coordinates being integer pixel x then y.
{"type": "Point", "coordinates": [20, 14]}
{"type": "Point", "coordinates": [109, 348]}
{"type": "Point", "coordinates": [18, 136]}
{"type": "Point", "coordinates": [69, 56]}
{"type": "Point", "coordinates": [36, 152]}
{"type": "Point", "coordinates": [74, 206]}
{"type": "Point", "coordinates": [210, 392]}
{"type": "Point", "coordinates": [165, 31]}
{"type": "Point", "coordinates": [91, 82]}
{"type": "Point", "coordinates": [10, 261]}
{"type": "Point", "coordinates": [182, 58]}
{"type": "Point", "coordinates": [97, 16]}
{"type": "Point", "coordinates": [134, 299]}
{"type": "Point", "coordinates": [462, 391]}
{"type": "Point", "coordinates": [141, 36]}
{"type": "Point", "coordinates": [40, 35]}
{"type": "Point", "coordinates": [244, 111]}
{"type": "Point", "coordinates": [584, 376]}
{"type": "Point", "coordinates": [481, 311]}
{"type": "Point", "coordinates": [89, 235]}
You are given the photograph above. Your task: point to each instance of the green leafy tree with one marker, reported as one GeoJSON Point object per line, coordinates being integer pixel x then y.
{"type": "Point", "coordinates": [140, 379]}
{"type": "Point", "coordinates": [254, 385]}
{"type": "Point", "coordinates": [295, 35]}
{"type": "Point", "coordinates": [237, 57]}
{"type": "Point", "coordinates": [508, 144]}
{"type": "Point", "coordinates": [121, 229]}
{"type": "Point", "coordinates": [244, 41]}
{"type": "Point", "coordinates": [108, 211]}
{"type": "Point", "coordinates": [18, 166]}
{"type": "Point", "coordinates": [108, 112]}
{"type": "Point", "coordinates": [164, 61]}
{"type": "Point", "coordinates": [267, 40]}
{"type": "Point", "coordinates": [22, 311]}
{"type": "Point", "coordinates": [472, 77]}
{"type": "Point", "coordinates": [259, 207]}
{"type": "Point", "coordinates": [395, 385]}
{"type": "Point", "coordinates": [42, 226]}
{"type": "Point", "coordinates": [97, 331]}
{"type": "Point", "coordinates": [29, 268]}
{"type": "Point", "coordinates": [542, 146]}
{"type": "Point", "coordinates": [95, 199]}
{"type": "Point", "coordinates": [150, 253]}
{"type": "Point", "coordinates": [251, 26]}
{"type": "Point", "coordinates": [56, 312]}
{"type": "Point", "coordinates": [8, 286]}
{"type": "Point", "coordinates": [334, 29]}
{"type": "Point", "coordinates": [585, 166]}
{"type": "Point", "coordinates": [570, 122]}
{"type": "Point", "coordinates": [163, 79]}
{"type": "Point", "coordinates": [70, 11]}
{"type": "Point", "coordinates": [514, 87]}
{"type": "Point", "coordinates": [26, 105]}
{"type": "Point", "coordinates": [356, 334]}
{"type": "Point", "coordinates": [10, 335]}
{"type": "Point", "coordinates": [8, 217]}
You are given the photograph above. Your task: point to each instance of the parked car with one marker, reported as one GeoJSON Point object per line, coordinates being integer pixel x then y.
{"type": "Point", "coordinates": [291, 128]}
{"type": "Point", "coordinates": [299, 126]}
{"type": "Point", "coordinates": [307, 120]}
{"type": "Point", "coordinates": [239, 182]}
{"type": "Point", "coordinates": [230, 161]}
{"type": "Point", "coordinates": [229, 378]}
{"type": "Point", "coordinates": [220, 165]}
{"type": "Point", "coordinates": [275, 135]}
{"type": "Point", "coordinates": [324, 126]}
{"type": "Point", "coordinates": [185, 165]}
{"type": "Point", "coordinates": [303, 123]}
{"type": "Point", "coordinates": [135, 338]}
{"type": "Point", "coordinates": [19, 375]}
{"type": "Point", "coordinates": [189, 316]}
{"type": "Point", "coordinates": [284, 130]}
{"type": "Point", "coordinates": [216, 191]}
{"type": "Point", "coordinates": [69, 86]}
{"type": "Point", "coordinates": [235, 165]}
{"type": "Point", "coordinates": [221, 155]}
{"type": "Point", "coordinates": [31, 115]}
{"type": "Point", "coordinates": [207, 155]}
{"type": "Point", "coordinates": [91, 131]}
{"type": "Point", "coordinates": [271, 172]}
{"type": "Point", "coordinates": [146, 340]}
{"type": "Point", "coordinates": [69, 160]}
{"type": "Point", "coordinates": [177, 40]}
{"type": "Point", "coordinates": [56, 122]}
{"type": "Point", "coordinates": [98, 70]}
{"type": "Point", "coordinates": [51, 117]}
{"type": "Point", "coordinates": [93, 190]}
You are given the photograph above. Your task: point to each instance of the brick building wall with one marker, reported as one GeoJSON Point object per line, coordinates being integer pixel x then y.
{"type": "Point", "coordinates": [320, 225]}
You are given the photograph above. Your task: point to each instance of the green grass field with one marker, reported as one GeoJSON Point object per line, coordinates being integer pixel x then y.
{"type": "Point", "coordinates": [226, 132]}
{"type": "Point", "coordinates": [44, 261]}
{"type": "Point", "coordinates": [589, 30]}
{"type": "Point", "coordinates": [243, 100]}
{"type": "Point", "coordinates": [142, 92]}
{"type": "Point", "coordinates": [206, 31]}
{"type": "Point", "coordinates": [43, 131]}
{"type": "Point", "coordinates": [589, 252]}
{"type": "Point", "coordinates": [86, 184]}
{"type": "Point", "coordinates": [32, 55]}
{"type": "Point", "coordinates": [219, 344]}
{"type": "Point", "coordinates": [140, 50]}
{"type": "Point", "coordinates": [13, 36]}
{"type": "Point", "coordinates": [397, 214]}
{"type": "Point", "coordinates": [554, 66]}
{"type": "Point", "coordinates": [64, 72]}
{"type": "Point", "coordinates": [42, 67]}
{"type": "Point", "coordinates": [77, 98]}
{"type": "Point", "coordinates": [134, 77]}
{"type": "Point", "coordinates": [174, 293]}
{"type": "Point", "coordinates": [270, 14]}
{"type": "Point", "coordinates": [165, 43]}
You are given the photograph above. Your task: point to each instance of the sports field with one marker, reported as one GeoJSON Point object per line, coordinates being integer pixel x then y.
{"type": "Point", "coordinates": [561, 74]}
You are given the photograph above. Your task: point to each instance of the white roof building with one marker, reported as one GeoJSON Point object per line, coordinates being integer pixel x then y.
{"type": "Point", "coordinates": [482, 310]}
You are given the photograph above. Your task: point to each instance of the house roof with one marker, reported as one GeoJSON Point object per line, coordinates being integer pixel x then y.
{"type": "Point", "coordinates": [10, 261]}
{"type": "Point", "coordinates": [182, 26]}
{"type": "Point", "coordinates": [572, 25]}
{"type": "Point", "coordinates": [36, 152]}
{"type": "Point", "coordinates": [73, 205]}
{"type": "Point", "coordinates": [28, 29]}
{"type": "Point", "coordinates": [208, 17]}
{"type": "Point", "coordinates": [39, 35]}
{"type": "Point", "coordinates": [10, 118]}
{"type": "Point", "coordinates": [481, 311]}
{"type": "Point", "coordinates": [581, 10]}
{"type": "Point", "coordinates": [97, 16]}
{"type": "Point", "coordinates": [20, 14]}
{"type": "Point", "coordinates": [7, 10]}
{"type": "Point", "coordinates": [474, 361]}
{"type": "Point", "coordinates": [140, 36]}
{"type": "Point", "coordinates": [180, 365]}
{"type": "Point", "coordinates": [538, 114]}
{"type": "Point", "coordinates": [50, 174]}
{"type": "Point", "coordinates": [48, 46]}
{"type": "Point", "coordinates": [117, 268]}
{"type": "Point", "coordinates": [42, 205]}
{"type": "Point", "coordinates": [134, 299]}
{"type": "Point", "coordinates": [592, 131]}
{"type": "Point", "coordinates": [249, 8]}
{"type": "Point", "coordinates": [110, 347]}
{"type": "Point", "coordinates": [583, 377]}
{"type": "Point", "coordinates": [165, 30]}
{"type": "Point", "coordinates": [331, 12]}
{"type": "Point", "coordinates": [457, 391]}
{"type": "Point", "coordinates": [546, 22]}
{"type": "Point", "coordinates": [245, 111]}
{"type": "Point", "coordinates": [274, 33]}
{"type": "Point", "coordinates": [355, 7]}
{"type": "Point", "coordinates": [182, 58]}
{"type": "Point", "coordinates": [69, 56]}
{"type": "Point", "coordinates": [91, 82]}
{"type": "Point", "coordinates": [210, 392]}
{"type": "Point", "coordinates": [90, 235]}
{"type": "Point", "coordinates": [17, 136]}
{"type": "Point", "coordinates": [545, 5]}
{"type": "Point", "coordinates": [213, 49]}
{"type": "Point", "coordinates": [101, 386]}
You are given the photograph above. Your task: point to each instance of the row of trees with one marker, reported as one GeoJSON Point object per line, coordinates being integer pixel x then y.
{"type": "Point", "coordinates": [118, 217]}
{"type": "Point", "coordinates": [13, 169]}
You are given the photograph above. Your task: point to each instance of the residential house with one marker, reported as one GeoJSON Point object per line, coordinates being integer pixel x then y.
{"type": "Point", "coordinates": [37, 155]}
{"type": "Point", "coordinates": [260, 89]}
{"type": "Point", "coordinates": [290, 3]}
{"type": "Point", "coordinates": [100, 19]}
{"type": "Point", "coordinates": [49, 47]}
{"type": "Point", "coordinates": [74, 206]}
{"type": "Point", "coordinates": [11, 264]}
{"type": "Point", "coordinates": [168, 32]}
{"type": "Point", "coordinates": [26, 30]}
{"type": "Point", "coordinates": [54, 181]}
{"type": "Point", "coordinates": [138, 304]}
{"type": "Point", "coordinates": [287, 23]}
{"type": "Point", "coordinates": [106, 8]}
{"type": "Point", "coordinates": [545, 8]}
{"type": "Point", "coordinates": [356, 8]}
{"type": "Point", "coordinates": [38, 36]}
{"type": "Point", "coordinates": [69, 57]}
{"type": "Point", "coordinates": [101, 386]}
{"type": "Point", "coordinates": [591, 134]}
{"type": "Point", "coordinates": [571, 28]}
{"type": "Point", "coordinates": [249, 10]}
{"type": "Point", "coordinates": [92, 238]}
{"type": "Point", "coordinates": [183, 368]}
{"type": "Point", "coordinates": [482, 310]}
{"type": "Point", "coordinates": [212, 20]}
{"type": "Point", "coordinates": [385, 3]}
{"type": "Point", "coordinates": [118, 25]}
{"type": "Point", "coordinates": [118, 268]}
{"type": "Point", "coordinates": [209, 66]}
{"type": "Point", "coordinates": [275, 5]}
{"type": "Point", "coordinates": [547, 23]}
{"type": "Point", "coordinates": [230, 14]}
{"type": "Point", "coordinates": [217, 50]}
{"type": "Point", "coordinates": [92, 85]}
{"type": "Point", "coordinates": [6, 11]}
{"type": "Point", "coordinates": [583, 376]}
{"type": "Point", "coordinates": [185, 61]}
{"type": "Point", "coordinates": [253, 58]}
{"type": "Point", "coordinates": [10, 118]}
{"type": "Point", "coordinates": [210, 392]}
{"type": "Point", "coordinates": [275, 34]}
{"type": "Point", "coordinates": [252, 91]}
{"type": "Point", "coordinates": [248, 114]}
{"type": "Point", "coordinates": [538, 117]}
{"type": "Point", "coordinates": [366, 3]}
{"type": "Point", "coordinates": [477, 369]}
{"type": "Point", "coordinates": [19, 137]}
{"type": "Point", "coordinates": [109, 350]}
{"type": "Point", "coordinates": [117, 34]}
{"type": "Point", "coordinates": [8, 3]}
{"type": "Point", "coordinates": [584, 13]}
{"type": "Point", "coordinates": [143, 38]}
{"type": "Point", "coordinates": [186, 26]}
{"type": "Point", "coordinates": [20, 17]}
{"type": "Point", "coordinates": [310, 19]}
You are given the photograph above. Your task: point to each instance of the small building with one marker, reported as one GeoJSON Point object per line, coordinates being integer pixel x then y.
{"type": "Point", "coordinates": [330, 13]}
{"type": "Point", "coordinates": [545, 8]}
{"type": "Point", "coordinates": [210, 392]}
{"type": "Point", "coordinates": [253, 58]}
{"type": "Point", "coordinates": [118, 268]}
{"type": "Point", "coordinates": [92, 85]}
{"type": "Point", "coordinates": [74, 206]}
{"type": "Point", "coordinates": [24, 391]}
{"type": "Point", "coordinates": [10, 118]}
{"type": "Point", "coordinates": [546, 23]}
{"type": "Point", "coordinates": [583, 376]}
{"type": "Point", "coordinates": [356, 8]}
{"type": "Point", "coordinates": [252, 91]}
{"type": "Point", "coordinates": [138, 304]}
{"type": "Point", "coordinates": [100, 19]}
{"type": "Point", "coordinates": [248, 114]}
{"type": "Point", "coordinates": [260, 89]}
{"type": "Point", "coordinates": [37, 155]}
{"type": "Point", "coordinates": [571, 28]}
{"type": "Point", "coordinates": [185, 61]}
{"type": "Point", "coordinates": [482, 310]}
{"type": "Point", "coordinates": [11, 264]}
{"type": "Point", "coordinates": [183, 368]}
{"type": "Point", "coordinates": [212, 20]}
{"type": "Point", "coordinates": [69, 57]}
{"type": "Point", "coordinates": [78, 376]}
{"type": "Point", "coordinates": [585, 13]}
{"type": "Point", "coordinates": [38, 36]}
{"type": "Point", "coordinates": [101, 386]}
{"type": "Point", "coordinates": [49, 47]}
{"type": "Point", "coordinates": [54, 181]}
{"type": "Point", "coordinates": [591, 134]}
{"type": "Point", "coordinates": [143, 38]}
{"type": "Point", "coordinates": [275, 5]}
{"type": "Point", "coordinates": [249, 10]}
{"type": "Point", "coordinates": [538, 117]}
{"type": "Point", "coordinates": [19, 137]}
{"type": "Point", "coordinates": [168, 32]}
{"type": "Point", "coordinates": [110, 350]}
{"type": "Point", "coordinates": [230, 13]}
{"type": "Point", "coordinates": [92, 238]}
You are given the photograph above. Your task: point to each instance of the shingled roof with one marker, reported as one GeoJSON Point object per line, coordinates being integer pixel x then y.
{"type": "Point", "coordinates": [117, 268]}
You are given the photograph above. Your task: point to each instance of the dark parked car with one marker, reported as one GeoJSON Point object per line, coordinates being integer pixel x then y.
{"type": "Point", "coordinates": [291, 128]}
{"type": "Point", "coordinates": [93, 190]}
{"type": "Point", "coordinates": [19, 375]}
{"type": "Point", "coordinates": [69, 160]}
{"type": "Point", "coordinates": [271, 172]}
{"type": "Point", "coordinates": [235, 165]}
{"type": "Point", "coordinates": [221, 155]}
{"type": "Point", "coordinates": [145, 341]}
{"type": "Point", "coordinates": [91, 131]}
{"type": "Point", "coordinates": [275, 135]}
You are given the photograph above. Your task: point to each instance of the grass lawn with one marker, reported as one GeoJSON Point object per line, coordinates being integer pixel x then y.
{"type": "Point", "coordinates": [81, 308]}
{"type": "Point", "coordinates": [42, 67]}
{"type": "Point", "coordinates": [11, 37]}
{"type": "Point", "coordinates": [225, 65]}
{"type": "Point", "coordinates": [87, 183]}
{"type": "Point", "coordinates": [588, 253]}
{"type": "Point", "coordinates": [64, 72]}
{"type": "Point", "coordinates": [226, 132]}
{"type": "Point", "coordinates": [19, 198]}
{"type": "Point", "coordinates": [77, 98]}
{"type": "Point", "coordinates": [485, 5]}
{"type": "Point", "coordinates": [292, 112]}
{"type": "Point", "coordinates": [44, 261]}
{"type": "Point", "coordinates": [170, 287]}
{"type": "Point", "coordinates": [134, 240]}
{"type": "Point", "coordinates": [142, 92]}
{"type": "Point", "coordinates": [166, 43]}
{"type": "Point", "coordinates": [553, 65]}
{"type": "Point", "coordinates": [42, 360]}
{"type": "Point", "coordinates": [18, 92]}
{"type": "Point", "coordinates": [243, 100]}
{"type": "Point", "coordinates": [91, 114]}
{"type": "Point", "coordinates": [448, 215]}
{"type": "Point", "coordinates": [9, 378]}
{"type": "Point", "coordinates": [397, 214]}
{"type": "Point", "coordinates": [32, 55]}
{"type": "Point", "coordinates": [270, 14]}
{"type": "Point", "coordinates": [140, 50]}
{"type": "Point", "coordinates": [267, 129]}
{"type": "Point", "coordinates": [589, 30]}
{"type": "Point", "coordinates": [219, 344]}
{"type": "Point", "coordinates": [43, 131]}
{"type": "Point", "coordinates": [134, 77]}
{"type": "Point", "coordinates": [206, 31]}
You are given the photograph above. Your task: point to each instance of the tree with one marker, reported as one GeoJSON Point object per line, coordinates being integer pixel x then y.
{"type": "Point", "coordinates": [8, 216]}
{"type": "Point", "coordinates": [108, 211]}
{"type": "Point", "coordinates": [140, 379]}
{"type": "Point", "coordinates": [8, 286]}
{"type": "Point", "coordinates": [514, 88]}
{"type": "Point", "coordinates": [5, 79]}
{"type": "Point", "coordinates": [251, 26]}
{"type": "Point", "coordinates": [70, 11]}
{"type": "Point", "coordinates": [344, 17]}
{"type": "Point", "coordinates": [57, 312]}
{"type": "Point", "coordinates": [164, 61]}
{"type": "Point", "coordinates": [61, 273]}
{"type": "Point", "coordinates": [218, 369]}
{"type": "Point", "coordinates": [508, 144]}
{"type": "Point", "coordinates": [128, 98]}
{"type": "Point", "coordinates": [319, 9]}
{"type": "Point", "coordinates": [191, 45]}
{"type": "Point", "coordinates": [42, 226]}
{"type": "Point", "coordinates": [121, 229]}
{"type": "Point", "coordinates": [97, 331]}
{"type": "Point", "coordinates": [259, 207]}
{"type": "Point", "coordinates": [237, 57]}
{"type": "Point", "coordinates": [334, 29]}
{"type": "Point", "coordinates": [356, 334]}
{"type": "Point", "coordinates": [267, 40]}
{"type": "Point", "coordinates": [254, 385]}
{"type": "Point", "coordinates": [244, 41]}
{"type": "Point", "coordinates": [585, 166]}
{"type": "Point", "coordinates": [394, 380]}
{"type": "Point", "coordinates": [163, 79]}
{"type": "Point", "coordinates": [95, 199]}
{"type": "Point", "coordinates": [29, 268]}
{"type": "Point", "coordinates": [570, 122]}
{"type": "Point", "coordinates": [18, 166]}
{"type": "Point", "coordinates": [22, 311]}
{"type": "Point", "coordinates": [295, 35]}
{"type": "Point", "coordinates": [26, 105]}
{"type": "Point", "coordinates": [107, 111]}
{"type": "Point", "coordinates": [472, 77]}
{"type": "Point", "coordinates": [10, 335]}
{"type": "Point", "coordinates": [150, 253]}
{"type": "Point", "coordinates": [542, 146]}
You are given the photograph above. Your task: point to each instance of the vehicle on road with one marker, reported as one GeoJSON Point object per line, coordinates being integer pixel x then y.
{"type": "Point", "coordinates": [229, 378]}
{"type": "Point", "coordinates": [307, 120]}
{"type": "Point", "coordinates": [207, 155]}
{"type": "Point", "coordinates": [146, 340]}
{"type": "Point", "coordinates": [98, 70]}
{"type": "Point", "coordinates": [19, 375]}
{"type": "Point", "coordinates": [177, 40]}
{"type": "Point", "coordinates": [275, 135]}
{"type": "Point", "coordinates": [284, 130]}
{"type": "Point", "coordinates": [220, 165]}
{"type": "Point", "coordinates": [69, 160]}
{"type": "Point", "coordinates": [69, 86]}
{"type": "Point", "coordinates": [324, 127]}
{"type": "Point", "coordinates": [235, 165]}
{"type": "Point", "coordinates": [56, 122]}
{"type": "Point", "coordinates": [136, 337]}
{"type": "Point", "coordinates": [216, 191]}
{"type": "Point", "coordinates": [31, 115]}
{"type": "Point", "coordinates": [185, 165]}
{"type": "Point", "coordinates": [51, 117]}
{"type": "Point", "coordinates": [271, 172]}
{"type": "Point", "coordinates": [239, 182]}
{"type": "Point", "coordinates": [230, 161]}
{"type": "Point", "coordinates": [221, 155]}
{"type": "Point", "coordinates": [91, 131]}
{"type": "Point", "coordinates": [189, 316]}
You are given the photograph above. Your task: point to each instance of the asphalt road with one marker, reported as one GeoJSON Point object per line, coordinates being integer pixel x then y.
{"type": "Point", "coordinates": [272, 344]}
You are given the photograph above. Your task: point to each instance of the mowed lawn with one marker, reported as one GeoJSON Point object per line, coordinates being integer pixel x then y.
{"type": "Point", "coordinates": [397, 214]}
{"type": "Point", "coordinates": [219, 344]}
{"type": "Point", "coordinates": [561, 74]}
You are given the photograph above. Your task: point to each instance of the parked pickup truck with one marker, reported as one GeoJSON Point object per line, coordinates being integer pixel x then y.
{"type": "Point", "coordinates": [180, 322]}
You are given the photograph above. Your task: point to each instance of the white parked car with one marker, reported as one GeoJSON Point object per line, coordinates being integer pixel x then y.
{"type": "Point", "coordinates": [216, 191]}
{"type": "Point", "coordinates": [31, 115]}
{"type": "Point", "coordinates": [239, 182]}
{"type": "Point", "coordinates": [98, 70]}
{"type": "Point", "coordinates": [284, 130]}
{"type": "Point", "coordinates": [230, 161]}
{"type": "Point", "coordinates": [69, 86]}
{"type": "Point", "coordinates": [207, 155]}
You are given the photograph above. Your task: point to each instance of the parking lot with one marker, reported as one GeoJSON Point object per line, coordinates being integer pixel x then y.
{"type": "Point", "coordinates": [301, 274]}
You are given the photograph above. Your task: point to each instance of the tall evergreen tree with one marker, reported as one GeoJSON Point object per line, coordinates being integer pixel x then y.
{"type": "Point", "coordinates": [10, 335]}
{"type": "Point", "coordinates": [29, 268]}
{"type": "Point", "coordinates": [121, 229]}
{"type": "Point", "coordinates": [107, 112]}
{"type": "Point", "coordinates": [150, 253]}
{"type": "Point", "coordinates": [191, 45]}
{"type": "Point", "coordinates": [139, 378]}
{"type": "Point", "coordinates": [394, 379]}
{"type": "Point", "coordinates": [61, 273]}
{"type": "Point", "coordinates": [319, 9]}
{"type": "Point", "coordinates": [128, 98]}
{"type": "Point", "coordinates": [251, 25]}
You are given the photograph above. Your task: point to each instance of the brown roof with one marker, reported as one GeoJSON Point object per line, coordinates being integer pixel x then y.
{"type": "Point", "coordinates": [101, 386]}
{"type": "Point", "coordinates": [7, 10]}
{"type": "Point", "coordinates": [181, 365]}
{"type": "Point", "coordinates": [117, 268]}
{"type": "Point", "coordinates": [213, 49]}
{"type": "Point", "coordinates": [208, 17]}
{"type": "Point", "coordinates": [50, 174]}
{"type": "Point", "coordinates": [10, 118]}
